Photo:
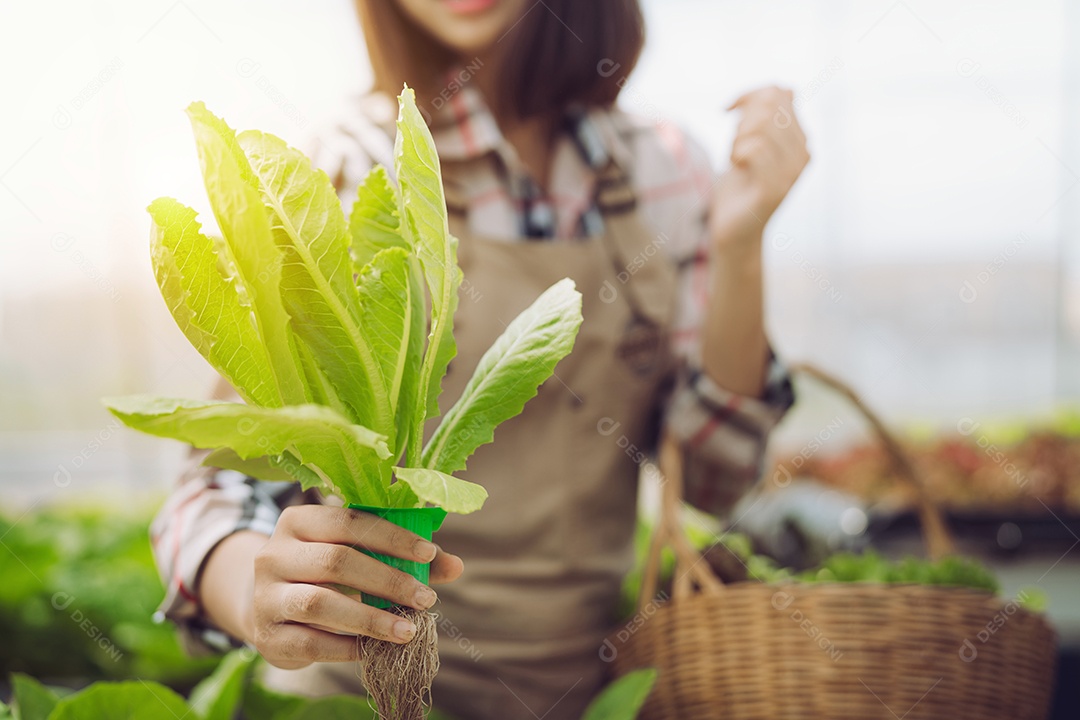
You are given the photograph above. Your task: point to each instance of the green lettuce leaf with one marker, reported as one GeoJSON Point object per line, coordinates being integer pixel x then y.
{"type": "Point", "coordinates": [265, 704]}
{"type": "Point", "coordinates": [337, 334]}
{"type": "Point", "coordinates": [623, 698]}
{"type": "Point", "coordinates": [317, 274]}
{"type": "Point", "coordinates": [393, 317]}
{"type": "Point", "coordinates": [322, 390]}
{"type": "Point", "coordinates": [423, 207]}
{"type": "Point", "coordinates": [218, 696]}
{"type": "Point", "coordinates": [206, 305]}
{"type": "Point", "coordinates": [320, 438]}
{"type": "Point", "coordinates": [32, 700]}
{"type": "Point", "coordinates": [275, 468]}
{"type": "Point", "coordinates": [232, 188]}
{"type": "Point", "coordinates": [401, 495]}
{"type": "Point", "coordinates": [446, 491]}
{"type": "Point", "coordinates": [508, 376]}
{"type": "Point", "coordinates": [374, 222]}
{"type": "Point", "coordinates": [122, 701]}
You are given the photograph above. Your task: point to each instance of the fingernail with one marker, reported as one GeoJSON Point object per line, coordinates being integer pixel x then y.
{"type": "Point", "coordinates": [424, 550]}
{"type": "Point", "coordinates": [404, 630]}
{"type": "Point", "coordinates": [425, 597]}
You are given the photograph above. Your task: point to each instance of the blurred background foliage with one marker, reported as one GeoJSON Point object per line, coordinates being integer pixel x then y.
{"type": "Point", "coordinates": [77, 600]}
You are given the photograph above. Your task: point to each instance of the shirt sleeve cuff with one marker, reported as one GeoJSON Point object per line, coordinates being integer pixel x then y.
{"type": "Point", "coordinates": [762, 412]}
{"type": "Point", "coordinates": [724, 435]}
{"type": "Point", "coordinates": [192, 528]}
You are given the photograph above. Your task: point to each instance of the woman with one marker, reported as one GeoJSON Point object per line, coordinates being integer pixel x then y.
{"type": "Point", "coordinates": [544, 179]}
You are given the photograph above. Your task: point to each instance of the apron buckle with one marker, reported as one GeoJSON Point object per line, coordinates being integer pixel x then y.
{"type": "Point", "coordinates": [641, 346]}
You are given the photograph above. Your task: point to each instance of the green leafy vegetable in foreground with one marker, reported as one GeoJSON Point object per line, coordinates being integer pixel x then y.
{"type": "Point", "coordinates": [623, 698]}
{"type": "Point", "coordinates": [234, 691]}
{"type": "Point", "coordinates": [32, 699]}
{"type": "Point", "coordinates": [336, 333]}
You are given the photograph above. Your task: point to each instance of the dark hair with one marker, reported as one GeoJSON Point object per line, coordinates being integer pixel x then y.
{"type": "Point", "coordinates": [563, 53]}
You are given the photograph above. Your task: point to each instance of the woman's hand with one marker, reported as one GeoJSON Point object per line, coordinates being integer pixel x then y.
{"type": "Point", "coordinates": [295, 620]}
{"type": "Point", "coordinates": [767, 156]}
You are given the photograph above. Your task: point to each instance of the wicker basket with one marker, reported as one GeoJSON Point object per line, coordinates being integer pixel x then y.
{"type": "Point", "coordinates": [837, 651]}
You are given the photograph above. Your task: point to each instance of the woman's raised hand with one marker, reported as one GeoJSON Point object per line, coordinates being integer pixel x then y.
{"type": "Point", "coordinates": [767, 157]}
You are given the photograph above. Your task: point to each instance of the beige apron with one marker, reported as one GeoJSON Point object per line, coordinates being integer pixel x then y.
{"type": "Point", "coordinates": [521, 630]}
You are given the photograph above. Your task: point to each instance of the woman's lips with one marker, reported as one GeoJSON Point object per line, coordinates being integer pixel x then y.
{"type": "Point", "coordinates": [467, 7]}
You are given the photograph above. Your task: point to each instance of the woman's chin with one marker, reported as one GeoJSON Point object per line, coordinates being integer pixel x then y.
{"type": "Point", "coordinates": [469, 37]}
{"type": "Point", "coordinates": [466, 27]}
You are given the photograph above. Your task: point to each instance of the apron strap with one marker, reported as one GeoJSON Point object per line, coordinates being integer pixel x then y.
{"type": "Point", "coordinates": [642, 269]}
{"type": "Point", "coordinates": [614, 192]}
{"type": "Point", "coordinates": [638, 254]}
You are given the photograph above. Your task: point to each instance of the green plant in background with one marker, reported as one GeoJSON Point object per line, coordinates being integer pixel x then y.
{"type": "Point", "coordinates": [77, 594]}
{"type": "Point", "coordinates": [319, 324]}
{"type": "Point", "coordinates": [232, 691]}
{"type": "Point", "coordinates": [845, 567]}
{"type": "Point", "coordinates": [868, 566]}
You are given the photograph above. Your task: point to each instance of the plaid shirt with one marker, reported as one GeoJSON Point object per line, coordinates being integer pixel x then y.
{"type": "Point", "coordinates": [724, 434]}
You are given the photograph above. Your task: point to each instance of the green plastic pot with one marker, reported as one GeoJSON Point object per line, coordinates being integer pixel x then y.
{"type": "Point", "coordinates": [422, 521]}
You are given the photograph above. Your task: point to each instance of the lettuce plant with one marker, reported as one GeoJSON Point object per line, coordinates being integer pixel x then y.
{"type": "Point", "coordinates": [233, 690]}
{"type": "Point", "coordinates": [336, 333]}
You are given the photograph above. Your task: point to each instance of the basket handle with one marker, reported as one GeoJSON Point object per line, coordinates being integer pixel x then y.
{"type": "Point", "coordinates": [690, 568]}
{"type": "Point", "coordinates": [935, 532]}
